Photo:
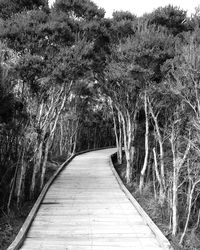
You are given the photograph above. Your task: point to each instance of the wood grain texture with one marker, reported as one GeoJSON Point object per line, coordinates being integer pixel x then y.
{"type": "Point", "coordinates": [86, 208]}
{"type": "Point", "coordinates": [24, 229]}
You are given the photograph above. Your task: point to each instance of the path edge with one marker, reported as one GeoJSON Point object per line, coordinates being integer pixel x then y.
{"type": "Point", "coordinates": [164, 242]}
{"type": "Point", "coordinates": [20, 237]}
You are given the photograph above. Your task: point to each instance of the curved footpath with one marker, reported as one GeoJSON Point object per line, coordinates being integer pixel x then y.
{"type": "Point", "coordinates": [86, 209]}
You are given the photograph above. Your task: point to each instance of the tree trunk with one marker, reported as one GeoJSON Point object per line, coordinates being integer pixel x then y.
{"type": "Point", "coordinates": [188, 215]}
{"type": "Point", "coordinates": [154, 183]}
{"type": "Point", "coordinates": [174, 185]}
{"type": "Point", "coordinates": [13, 187]}
{"type": "Point", "coordinates": [36, 170]}
{"type": "Point", "coordinates": [116, 134]}
{"type": "Point", "coordinates": [174, 202]}
{"type": "Point", "coordinates": [127, 151]}
{"type": "Point", "coordinates": [159, 138]}
{"type": "Point", "coordinates": [44, 163]}
{"type": "Point", "coordinates": [20, 186]}
{"type": "Point", "coordinates": [120, 139]}
{"type": "Point", "coordinates": [170, 205]}
{"type": "Point", "coordinates": [130, 152]}
{"type": "Point", "coordinates": [20, 191]}
{"type": "Point", "coordinates": [75, 138]}
{"type": "Point", "coordinates": [143, 171]}
{"type": "Point", "coordinates": [61, 136]}
{"type": "Point", "coordinates": [50, 140]}
{"type": "Point", "coordinates": [149, 173]}
{"type": "Point", "coordinates": [161, 193]}
{"type": "Point", "coordinates": [128, 167]}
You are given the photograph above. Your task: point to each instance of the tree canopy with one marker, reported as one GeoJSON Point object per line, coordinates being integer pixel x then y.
{"type": "Point", "coordinates": [71, 80]}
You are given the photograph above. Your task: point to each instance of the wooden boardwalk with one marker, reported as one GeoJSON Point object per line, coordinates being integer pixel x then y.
{"type": "Point", "coordinates": [85, 209]}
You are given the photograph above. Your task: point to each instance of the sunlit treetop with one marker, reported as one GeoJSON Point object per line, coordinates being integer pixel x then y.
{"type": "Point", "coordinates": [85, 9]}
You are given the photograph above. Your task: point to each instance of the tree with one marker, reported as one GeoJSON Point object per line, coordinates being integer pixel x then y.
{"type": "Point", "coordinates": [123, 25]}
{"type": "Point", "coordinates": [11, 7]}
{"type": "Point", "coordinates": [183, 80]}
{"type": "Point", "coordinates": [22, 31]}
{"type": "Point", "coordinates": [134, 65]}
{"type": "Point", "coordinates": [78, 9]}
{"type": "Point", "coordinates": [13, 120]}
{"type": "Point", "coordinates": [49, 51]}
{"type": "Point", "coordinates": [173, 18]}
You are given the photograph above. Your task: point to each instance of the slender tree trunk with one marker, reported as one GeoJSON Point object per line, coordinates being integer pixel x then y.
{"type": "Point", "coordinates": [162, 172]}
{"type": "Point", "coordinates": [174, 202]}
{"type": "Point", "coordinates": [116, 135]}
{"type": "Point", "coordinates": [13, 187]}
{"type": "Point", "coordinates": [130, 151]}
{"type": "Point", "coordinates": [50, 140]}
{"type": "Point", "coordinates": [125, 144]}
{"type": "Point", "coordinates": [120, 139]}
{"type": "Point", "coordinates": [127, 151]}
{"type": "Point", "coordinates": [170, 205]}
{"type": "Point", "coordinates": [189, 187]}
{"type": "Point", "coordinates": [20, 191]}
{"type": "Point", "coordinates": [158, 176]}
{"type": "Point", "coordinates": [154, 183]}
{"type": "Point", "coordinates": [40, 112]}
{"type": "Point", "coordinates": [61, 136]}
{"type": "Point", "coordinates": [198, 220]}
{"type": "Point", "coordinates": [174, 186]}
{"type": "Point", "coordinates": [189, 212]}
{"type": "Point", "coordinates": [128, 167]}
{"type": "Point", "coordinates": [143, 171]}
{"type": "Point", "coordinates": [75, 143]}
{"type": "Point", "coordinates": [36, 169]}
{"type": "Point", "coordinates": [129, 128]}
{"type": "Point", "coordinates": [148, 174]}
{"type": "Point", "coordinates": [44, 164]}
{"type": "Point", "coordinates": [75, 138]}
{"type": "Point", "coordinates": [177, 165]}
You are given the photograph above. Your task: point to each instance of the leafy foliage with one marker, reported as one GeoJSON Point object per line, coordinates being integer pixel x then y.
{"type": "Point", "coordinates": [11, 7]}
{"type": "Point", "coordinates": [67, 72]}
{"type": "Point", "coordinates": [85, 9]}
{"type": "Point", "coordinates": [173, 18]}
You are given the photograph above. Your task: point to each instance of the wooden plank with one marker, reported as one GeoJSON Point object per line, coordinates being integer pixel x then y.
{"type": "Point", "coordinates": [163, 241]}
{"type": "Point", "coordinates": [85, 208]}
{"type": "Point", "coordinates": [22, 233]}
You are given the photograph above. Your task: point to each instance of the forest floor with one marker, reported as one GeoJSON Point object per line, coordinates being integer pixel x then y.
{"type": "Point", "coordinates": [151, 207]}
{"type": "Point", "coordinates": [11, 224]}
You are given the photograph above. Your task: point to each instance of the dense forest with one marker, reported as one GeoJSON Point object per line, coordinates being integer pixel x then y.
{"type": "Point", "coordinates": [71, 80]}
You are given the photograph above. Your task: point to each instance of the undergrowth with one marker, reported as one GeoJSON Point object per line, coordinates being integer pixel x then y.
{"type": "Point", "coordinates": [11, 223]}
{"type": "Point", "coordinates": [157, 213]}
